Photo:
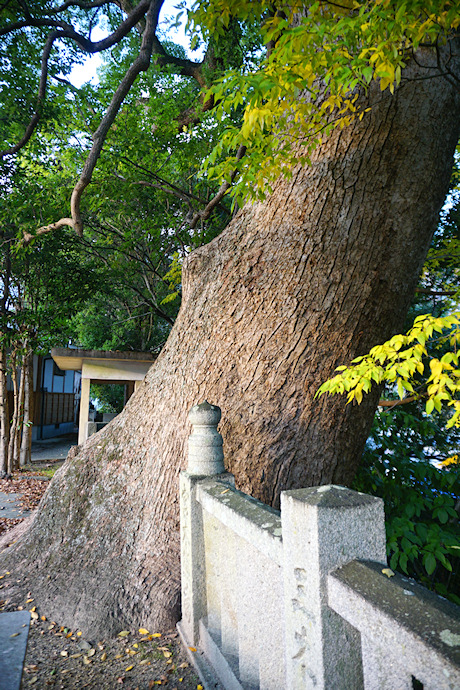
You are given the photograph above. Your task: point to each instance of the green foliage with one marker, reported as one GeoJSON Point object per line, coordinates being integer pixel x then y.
{"type": "Point", "coordinates": [110, 397]}
{"type": "Point", "coordinates": [173, 277]}
{"type": "Point", "coordinates": [319, 50]}
{"type": "Point", "coordinates": [403, 359]}
{"type": "Point", "coordinates": [403, 464]}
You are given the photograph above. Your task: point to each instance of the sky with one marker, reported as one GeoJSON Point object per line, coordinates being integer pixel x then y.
{"type": "Point", "coordinates": [88, 71]}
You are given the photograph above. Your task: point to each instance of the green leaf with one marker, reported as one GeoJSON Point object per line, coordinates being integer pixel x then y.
{"type": "Point", "coordinates": [430, 563]}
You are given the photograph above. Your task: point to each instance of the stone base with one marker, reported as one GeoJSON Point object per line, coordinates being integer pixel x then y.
{"type": "Point", "coordinates": [205, 671]}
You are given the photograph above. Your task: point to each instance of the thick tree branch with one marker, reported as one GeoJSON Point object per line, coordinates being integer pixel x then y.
{"type": "Point", "coordinates": [79, 3]}
{"type": "Point", "coordinates": [141, 64]}
{"type": "Point", "coordinates": [87, 45]}
{"type": "Point", "coordinates": [63, 222]}
{"type": "Point", "coordinates": [187, 68]}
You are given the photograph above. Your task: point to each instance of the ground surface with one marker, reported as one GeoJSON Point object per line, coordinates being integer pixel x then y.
{"type": "Point", "coordinates": [58, 657]}
{"type": "Point", "coordinates": [20, 495]}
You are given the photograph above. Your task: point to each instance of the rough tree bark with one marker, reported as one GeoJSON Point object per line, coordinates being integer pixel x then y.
{"type": "Point", "coordinates": [317, 274]}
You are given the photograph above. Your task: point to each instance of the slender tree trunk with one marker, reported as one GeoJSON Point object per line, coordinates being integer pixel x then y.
{"type": "Point", "coordinates": [4, 416]}
{"type": "Point", "coordinates": [295, 286]}
{"type": "Point", "coordinates": [26, 438]}
{"type": "Point", "coordinates": [4, 413]}
{"type": "Point", "coordinates": [13, 441]}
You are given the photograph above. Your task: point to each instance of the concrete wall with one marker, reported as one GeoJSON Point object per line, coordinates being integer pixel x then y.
{"type": "Point", "coordinates": [302, 598]}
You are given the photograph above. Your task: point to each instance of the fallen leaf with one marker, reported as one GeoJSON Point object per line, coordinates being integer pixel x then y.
{"type": "Point", "coordinates": [34, 615]}
{"type": "Point", "coordinates": [143, 662]}
{"type": "Point", "coordinates": [68, 635]}
{"type": "Point", "coordinates": [192, 649]}
{"type": "Point", "coordinates": [43, 618]}
{"type": "Point", "coordinates": [199, 687]}
{"type": "Point", "coordinates": [20, 608]}
{"type": "Point", "coordinates": [119, 656]}
{"type": "Point", "coordinates": [28, 601]}
{"type": "Point", "coordinates": [65, 653]}
{"type": "Point", "coordinates": [33, 680]}
{"type": "Point", "coordinates": [79, 633]}
{"type": "Point", "coordinates": [388, 572]}
{"type": "Point", "coordinates": [75, 656]}
{"type": "Point", "coordinates": [184, 665]}
{"type": "Point", "coordinates": [86, 660]}
{"type": "Point", "coordinates": [129, 668]}
{"type": "Point", "coordinates": [135, 645]}
{"type": "Point", "coordinates": [14, 635]}
{"type": "Point", "coordinates": [156, 634]}
{"type": "Point", "coordinates": [123, 633]}
{"type": "Point", "coordinates": [34, 608]}
{"type": "Point", "coordinates": [91, 652]}
{"type": "Point", "coordinates": [143, 631]}
{"type": "Point", "coordinates": [103, 656]}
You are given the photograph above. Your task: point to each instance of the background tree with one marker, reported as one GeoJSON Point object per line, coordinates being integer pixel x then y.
{"type": "Point", "coordinates": [318, 272]}
{"type": "Point", "coordinates": [42, 285]}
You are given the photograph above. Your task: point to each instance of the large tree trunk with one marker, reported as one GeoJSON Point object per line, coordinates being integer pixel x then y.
{"type": "Point", "coordinates": [295, 286]}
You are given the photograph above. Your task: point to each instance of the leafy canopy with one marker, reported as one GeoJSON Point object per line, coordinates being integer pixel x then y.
{"type": "Point", "coordinates": [321, 51]}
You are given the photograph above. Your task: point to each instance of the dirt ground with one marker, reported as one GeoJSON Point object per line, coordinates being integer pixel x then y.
{"type": "Point", "coordinates": [58, 657]}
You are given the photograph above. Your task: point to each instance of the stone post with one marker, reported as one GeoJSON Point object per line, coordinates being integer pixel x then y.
{"type": "Point", "coordinates": [84, 410]}
{"type": "Point", "coordinates": [323, 528]}
{"type": "Point", "coordinates": [205, 460]}
{"type": "Point", "coordinates": [205, 454]}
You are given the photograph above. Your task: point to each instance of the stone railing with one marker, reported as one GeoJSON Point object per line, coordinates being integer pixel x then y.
{"type": "Point", "coordinates": [300, 599]}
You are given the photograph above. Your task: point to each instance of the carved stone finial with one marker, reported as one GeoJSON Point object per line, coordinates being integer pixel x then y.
{"type": "Point", "coordinates": [205, 455]}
